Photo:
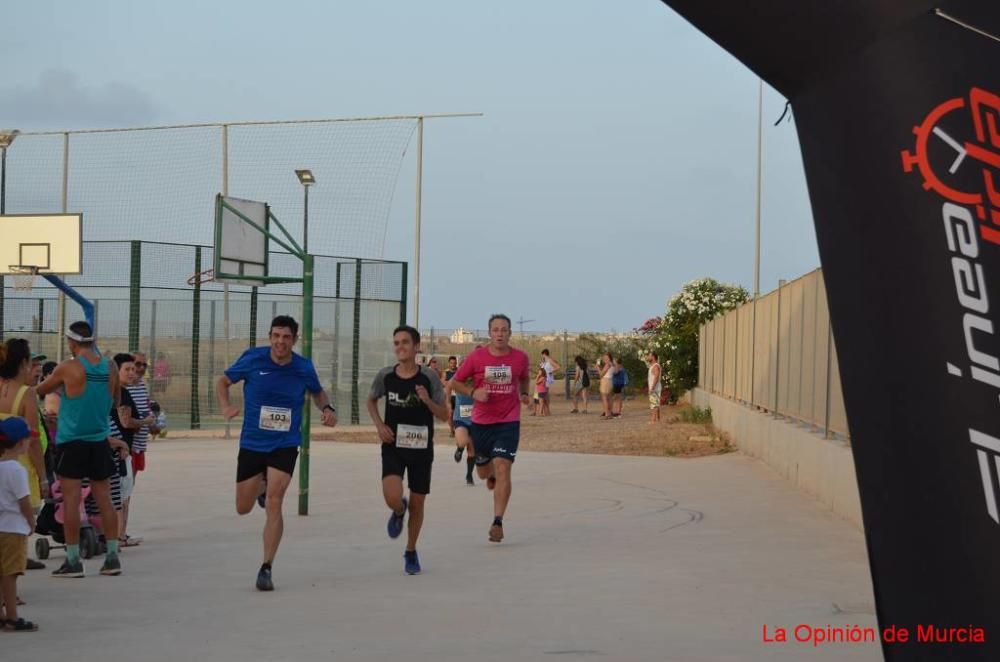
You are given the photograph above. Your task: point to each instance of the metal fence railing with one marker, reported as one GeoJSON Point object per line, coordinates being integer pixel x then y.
{"type": "Point", "coordinates": [191, 333]}
{"type": "Point", "coordinates": [777, 353]}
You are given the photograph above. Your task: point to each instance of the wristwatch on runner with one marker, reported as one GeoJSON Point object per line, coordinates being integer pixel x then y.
{"type": "Point", "coordinates": [330, 407]}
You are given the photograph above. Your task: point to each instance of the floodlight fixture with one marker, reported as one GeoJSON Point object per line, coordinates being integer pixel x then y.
{"type": "Point", "coordinates": [305, 177]}
{"type": "Point", "coordinates": [7, 137]}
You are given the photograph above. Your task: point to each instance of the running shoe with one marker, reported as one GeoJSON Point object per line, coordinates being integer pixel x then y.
{"type": "Point", "coordinates": [469, 481]}
{"type": "Point", "coordinates": [112, 566]}
{"type": "Point", "coordinates": [264, 582]}
{"type": "Point", "coordinates": [395, 525]}
{"type": "Point", "coordinates": [411, 563]}
{"type": "Point", "coordinates": [35, 565]}
{"type": "Point", "coordinates": [496, 533]}
{"type": "Point", "coordinates": [67, 569]}
{"type": "Point", "coordinates": [458, 454]}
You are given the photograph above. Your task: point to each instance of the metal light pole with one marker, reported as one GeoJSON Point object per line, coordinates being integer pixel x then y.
{"type": "Point", "coordinates": [306, 179]}
{"type": "Point", "coordinates": [756, 254]}
{"type": "Point", "coordinates": [6, 138]}
{"type": "Point", "coordinates": [420, 187]}
{"type": "Point", "coordinates": [760, 149]}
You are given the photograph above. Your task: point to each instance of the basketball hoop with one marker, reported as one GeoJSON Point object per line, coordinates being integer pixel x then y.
{"type": "Point", "coordinates": [24, 276]}
{"type": "Point", "coordinates": [202, 277]}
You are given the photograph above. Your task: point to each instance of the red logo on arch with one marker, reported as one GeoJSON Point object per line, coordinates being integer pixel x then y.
{"type": "Point", "coordinates": [956, 135]}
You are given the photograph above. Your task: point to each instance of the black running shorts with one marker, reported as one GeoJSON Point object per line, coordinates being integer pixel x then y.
{"type": "Point", "coordinates": [415, 463]}
{"type": "Point", "coordinates": [77, 460]}
{"type": "Point", "coordinates": [496, 440]}
{"type": "Point", "coordinates": [253, 463]}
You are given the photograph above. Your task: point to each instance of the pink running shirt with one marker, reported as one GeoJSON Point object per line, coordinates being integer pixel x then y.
{"type": "Point", "coordinates": [502, 375]}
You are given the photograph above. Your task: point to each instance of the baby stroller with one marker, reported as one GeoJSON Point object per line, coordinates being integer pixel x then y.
{"type": "Point", "coordinates": [50, 523]}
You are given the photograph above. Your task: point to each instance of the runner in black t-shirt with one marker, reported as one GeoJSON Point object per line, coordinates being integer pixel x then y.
{"type": "Point", "coordinates": [414, 396]}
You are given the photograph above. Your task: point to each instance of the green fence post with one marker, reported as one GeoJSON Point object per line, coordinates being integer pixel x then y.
{"type": "Point", "coordinates": [253, 316]}
{"type": "Point", "coordinates": [211, 355]}
{"type": "Point", "coordinates": [195, 341]}
{"type": "Point", "coordinates": [356, 347]}
{"type": "Point", "coordinates": [134, 290]}
{"type": "Point", "coordinates": [403, 298]}
{"type": "Point", "coordinates": [335, 368]}
{"type": "Point", "coordinates": [152, 336]}
{"type": "Point", "coordinates": [307, 342]}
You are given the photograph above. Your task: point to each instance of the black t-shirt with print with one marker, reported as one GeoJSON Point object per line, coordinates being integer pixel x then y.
{"type": "Point", "coordinates": [117, 429]}
{"type": "Point", "coordinates": [402, 406]}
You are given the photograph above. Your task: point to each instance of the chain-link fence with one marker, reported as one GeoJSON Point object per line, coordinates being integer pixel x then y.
{"type": "Point", "coordinates": [190, 333]}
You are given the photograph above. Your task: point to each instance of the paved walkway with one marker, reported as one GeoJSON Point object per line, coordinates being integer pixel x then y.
{"type": "Point", "coordinates": [616, 558]}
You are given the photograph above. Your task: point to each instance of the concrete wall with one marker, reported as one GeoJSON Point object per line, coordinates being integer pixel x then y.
{"type": "Point", "coordinates": [823, 468]}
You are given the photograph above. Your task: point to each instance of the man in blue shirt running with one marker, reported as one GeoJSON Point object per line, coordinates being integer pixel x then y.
{"type": "Point", "coordinates": [275, 383]}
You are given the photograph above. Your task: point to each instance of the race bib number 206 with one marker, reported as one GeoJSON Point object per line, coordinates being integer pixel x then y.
{"type": "Point", "coordinates": [411, 436]}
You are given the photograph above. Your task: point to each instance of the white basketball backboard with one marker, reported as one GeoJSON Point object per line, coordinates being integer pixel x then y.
{"type": "Point", "coordinates": [51, 242]}
{"type": "Point", "coordinates": [240, 248]}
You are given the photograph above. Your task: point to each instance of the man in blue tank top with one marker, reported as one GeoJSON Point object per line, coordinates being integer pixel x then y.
{"type": "Point", "coordinates": [275, 381]}
{"type": "Point", "coordinates": [82, 448]}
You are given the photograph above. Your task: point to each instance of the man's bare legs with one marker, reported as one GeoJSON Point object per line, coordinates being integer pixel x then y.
{"type": "Point", "coordinates": [392, 492]}
{"type": "Point", "coordinates": [501, 495]}
{"type": "Point", "coordinates": [247, 492]}
{"type": "Point", "coordinates": [416, 509]}
{"type": "Point", "coordinates": [71, 509]}
{"type": "Point", "coordinates": [277, 484]}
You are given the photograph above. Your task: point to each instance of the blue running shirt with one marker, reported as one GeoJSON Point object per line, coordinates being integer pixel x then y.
{"type": "Point", "coordinates": [273, 396]}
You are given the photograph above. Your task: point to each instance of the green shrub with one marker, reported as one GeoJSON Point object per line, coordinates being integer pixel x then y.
{"type": "Point", "coordinates": [696, 415]}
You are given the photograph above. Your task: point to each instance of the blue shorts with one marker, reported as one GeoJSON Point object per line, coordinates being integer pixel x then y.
{"type": "Point", "coordinates": [495, 440]}
{"type": "Point", "coordinates": [463, 423]}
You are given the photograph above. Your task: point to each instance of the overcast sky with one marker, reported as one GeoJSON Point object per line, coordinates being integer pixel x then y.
{"type": "Point", "coordinates": [615, 161]}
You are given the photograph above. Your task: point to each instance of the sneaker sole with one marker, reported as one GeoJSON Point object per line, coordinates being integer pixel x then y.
{"type": "Point", "coordinates": [74, 575]}
{"type": "Point", "coordinates": [111, 573]}
{"type": "Point", "coordinates": [496, 536]}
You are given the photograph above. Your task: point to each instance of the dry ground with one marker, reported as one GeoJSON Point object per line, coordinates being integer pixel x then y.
{"type": "Point", "coordinates": [563, 432]}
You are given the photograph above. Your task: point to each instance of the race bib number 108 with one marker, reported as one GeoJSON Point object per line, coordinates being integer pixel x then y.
{"type": "Point", "coordinates": [498, 374]}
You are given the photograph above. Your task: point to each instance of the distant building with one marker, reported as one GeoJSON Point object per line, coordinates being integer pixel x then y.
{"type": "Point", "coordinates": [462, 337]}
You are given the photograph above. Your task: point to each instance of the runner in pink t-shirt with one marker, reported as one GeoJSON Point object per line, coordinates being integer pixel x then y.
{"type": "Point", "coordinates": [500, 381]}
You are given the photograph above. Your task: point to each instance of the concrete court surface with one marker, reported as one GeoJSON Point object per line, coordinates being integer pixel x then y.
{"type": "Point", "coordinates": [615, 558]}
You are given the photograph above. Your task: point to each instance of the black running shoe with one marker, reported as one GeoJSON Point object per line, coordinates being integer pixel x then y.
{"type": "Point", "coordinates": [112, 566]}
{"type": "Point", "coordinates": [35, 565]}
{"type": "Point", "coordinates": [469, 481]}
{"type": "Point", "coordinates": [458, 454]}
{"type": "Point", "coordinates": [67, 569]}
{"type": "Point", "coordinates": [264, 582]}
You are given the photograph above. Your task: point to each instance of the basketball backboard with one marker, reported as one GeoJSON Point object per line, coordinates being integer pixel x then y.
{"type": "Point", "coordinates": [240, 248]}
{"type": "Point", "coordinates": [51, 242]}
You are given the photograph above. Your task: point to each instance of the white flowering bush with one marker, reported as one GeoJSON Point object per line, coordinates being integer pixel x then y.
{"type": "Point", "coordinates": [674, 337]}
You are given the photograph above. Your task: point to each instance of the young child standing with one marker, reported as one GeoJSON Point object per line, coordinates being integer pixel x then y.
{"type": "Point", "coordinates": [541, 391]}
{"type": "Point", "coordinates": [17, 519]}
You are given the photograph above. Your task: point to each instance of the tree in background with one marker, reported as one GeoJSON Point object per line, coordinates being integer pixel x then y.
{"type": "Point", "coordinates": [629, 348]}
{"type": "Point", "coordinates": [674, 337]}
